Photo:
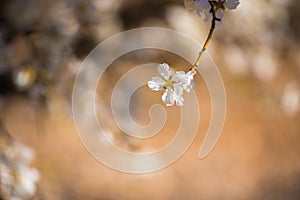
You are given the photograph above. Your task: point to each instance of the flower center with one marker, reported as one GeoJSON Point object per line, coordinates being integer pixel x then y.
{"type": "Point", "coordinates": [168, 84]}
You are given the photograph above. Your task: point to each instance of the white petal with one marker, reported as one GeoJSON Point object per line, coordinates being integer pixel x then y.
{"type": "Point", "coordinates": [178, 76]}
{"type": "Point", "coordinates": [179, 101]}
{"type": "Point", "coordinates": [190, 86]}
{"type": "Point", "coordinates": [178, 91]}
{"type": "Point", "coordinates": [156, 84]}
{"type": "Point", "coordinates": [190, 74]}
{"type": "Point", "coordinates": [164, 70]}
{"type": "Point", "coordinates": [231, 4]}
{"type": "Point", "coordinates": [168, 97]}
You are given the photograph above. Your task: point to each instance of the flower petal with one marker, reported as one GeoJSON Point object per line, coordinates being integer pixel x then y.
{"type": "Point", "coordinates": [168, 97]}
{"type": "Point", "coordinates": [156, 84]}
{"type": "Point", "coordinates": [178, 91]}
{"type": "Point", "coordinates": [231, 4]}
{"type": "Point", "coordinates": [190, 74]}
{"type": "Point", "coordinates": [190, 86]}
{"type": "Point", "coordinates": [179, 101]}
{"type": "Point", "coordinates": [178, 76]}
{"type": "Point", "coordinates": [164, 70]}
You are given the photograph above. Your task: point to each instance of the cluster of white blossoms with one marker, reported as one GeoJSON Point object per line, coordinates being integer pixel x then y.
{"type": "Point", "coordinates": [18, 180]}
{"type": "Point", "coordinates": [174, 83]}
{"type": "Point", "coordinates": [204, 7]}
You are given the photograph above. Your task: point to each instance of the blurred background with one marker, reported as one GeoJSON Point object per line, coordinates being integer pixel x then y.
{"type": "Point", "coordinates": [42, 44]}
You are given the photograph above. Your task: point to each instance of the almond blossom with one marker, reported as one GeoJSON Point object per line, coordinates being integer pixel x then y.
{"type": "Point", "coordinates": [174, 83]}
{"type": "Point", "coordinates": [222, 5]}
{"type": "Point", "coordinates": [204, 7]}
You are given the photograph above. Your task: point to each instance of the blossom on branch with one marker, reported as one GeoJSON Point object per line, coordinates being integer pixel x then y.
{"type": "Point", "coordinates": [222, 5]}
{"type": "Point", "coordinates": [174, 83]}
{"type": "Point", "coordinates": [205, 7]}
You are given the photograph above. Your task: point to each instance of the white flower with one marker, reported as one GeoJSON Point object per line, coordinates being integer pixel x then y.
{"type": "Point", "coordinates": [25, 183]}
{"type": "Point", "coordinates": [18, 180]}
{"type": "Point", "coordinates": [18, 184]}
{"type": "Point", "coordinates": [18, 155]}
{"type": "Point", "coordinates": [174, 83]}
{"type": "Point", "coordinates": [204, 7]}
{"type": "Point", "coordinates": [222, 5]}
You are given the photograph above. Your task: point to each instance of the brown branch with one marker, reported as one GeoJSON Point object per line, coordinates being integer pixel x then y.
{"type": "Point", "coordinates": [210, 35]}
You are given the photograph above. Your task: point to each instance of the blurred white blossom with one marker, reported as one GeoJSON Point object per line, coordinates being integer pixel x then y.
{"type": "Point", "coordinates": [237, 62]}
{"type": "Point", "coordinates": [204, 7]}
{"type": "Point", "coordinates": [38, 45]}
{"type": "Point", "coordinates": [18, 180]}
{"type": "Point", "coordinates": [264, 65]}
{"type": "Point", "coordinates": [185, 22]}
{"type": "Point", "coordinates": [222, 5]}
{"type": "Point", "coordinates": [290, 99]}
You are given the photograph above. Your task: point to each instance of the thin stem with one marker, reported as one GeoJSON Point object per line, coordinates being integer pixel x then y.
{"type": "Point", "coordinates": [209, 37]}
